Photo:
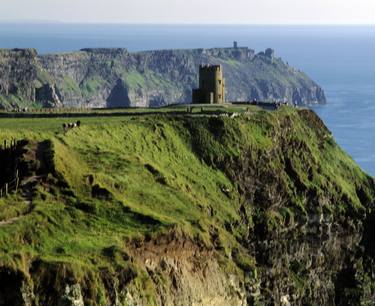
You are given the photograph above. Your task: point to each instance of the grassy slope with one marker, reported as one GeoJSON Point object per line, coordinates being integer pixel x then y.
{"type": "Point", "coordinates": [162, 173]}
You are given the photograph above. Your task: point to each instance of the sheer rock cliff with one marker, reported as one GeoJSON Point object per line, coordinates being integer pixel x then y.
{"type": "Point", "coordinates": [118, 78]}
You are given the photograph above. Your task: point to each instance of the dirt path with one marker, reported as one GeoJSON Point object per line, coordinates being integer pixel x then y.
{"type": "Point", "coordinates": [27, 191]}
{"type": "Point", "coordinates": [10, 221]}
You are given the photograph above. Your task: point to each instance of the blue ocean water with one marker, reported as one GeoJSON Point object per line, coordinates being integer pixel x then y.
{"type": "Point", "coordinates": [340, 58]}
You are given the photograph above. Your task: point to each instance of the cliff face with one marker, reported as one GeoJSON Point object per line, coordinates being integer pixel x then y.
{"type": "Point", "coordinates": [259, 209]}
{"type": "Point", "coordinates": [115, 77]}
{"type": "Point", "coordinates": [18, 71]}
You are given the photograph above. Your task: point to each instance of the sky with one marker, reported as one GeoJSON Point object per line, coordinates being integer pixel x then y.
{"type": "Point", "coordinates": [191, 11]}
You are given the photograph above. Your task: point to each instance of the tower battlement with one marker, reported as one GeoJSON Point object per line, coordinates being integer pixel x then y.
{"type": "Point", "coordinates": [209, 68]}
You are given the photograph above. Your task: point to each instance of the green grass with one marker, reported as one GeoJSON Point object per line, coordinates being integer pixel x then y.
{"type": "Point", "coordinates": [68, 84]}
{"type": "Point", "coordinates": [11, 102]}
{"type": "Point", "coordinates": [171, 173]}
{"type": "Point", "coordinates": [233, 63]}
{"type": "Point", "coordinates": [43, 77]}
{"type": "Point", "coordinates": [92, 86]}
{"type": "Point", "coordinates": [134, 79]}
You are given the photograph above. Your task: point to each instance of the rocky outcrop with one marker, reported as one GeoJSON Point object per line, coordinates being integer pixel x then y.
{"type": "Point", "coordinates": [48, 95]}
{"type": "Point", "coordinates": [116, 77]}
{"type": "Point", "coordinates": [119, 96]}
{"type": "Point", "coordinates": [72, 296]}
{"type": "Point", "coordinates": [320, 252]}
{"type": "Point", "coordinates": [186, 274]}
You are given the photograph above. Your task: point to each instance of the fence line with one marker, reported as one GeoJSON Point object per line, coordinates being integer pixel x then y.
{"type": "Point", "coordinates": [12, 185]}
{"type": "Point", "coordinates": [9, 147]}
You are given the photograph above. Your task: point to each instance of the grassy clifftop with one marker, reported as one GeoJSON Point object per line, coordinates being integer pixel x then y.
{"type": "Point", "coordinates": [151, 209]}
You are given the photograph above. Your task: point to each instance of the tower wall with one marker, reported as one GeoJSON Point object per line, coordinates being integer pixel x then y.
{"type": "Point", "coordinates": [211, 83]}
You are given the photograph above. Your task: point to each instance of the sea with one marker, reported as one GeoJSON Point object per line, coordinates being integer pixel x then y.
{"type": "Point", "coordinates": [341, 59]}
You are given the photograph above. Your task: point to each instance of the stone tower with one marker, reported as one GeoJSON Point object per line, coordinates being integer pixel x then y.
{"type": "Point", "coordinates": [211, 85]}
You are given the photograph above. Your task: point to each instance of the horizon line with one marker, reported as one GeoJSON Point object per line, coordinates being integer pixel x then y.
{"type": "Point", "coordinates": [174, 24]}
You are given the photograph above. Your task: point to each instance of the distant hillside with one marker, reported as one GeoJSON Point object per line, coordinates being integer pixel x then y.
{"type": "Point", "coordinates": [115, 77]}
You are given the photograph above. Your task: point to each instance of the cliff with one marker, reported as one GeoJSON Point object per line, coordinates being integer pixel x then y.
{"type": "Point", "coordinates": [259, 209]}
{"type": "Point", "coordinates": [116, 77]}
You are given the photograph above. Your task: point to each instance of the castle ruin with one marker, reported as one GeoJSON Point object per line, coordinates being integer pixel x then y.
{"type": "Point", "coordinates": [211, 85]}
